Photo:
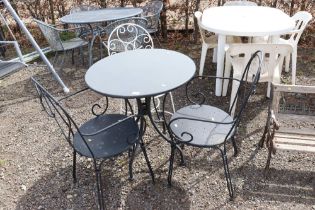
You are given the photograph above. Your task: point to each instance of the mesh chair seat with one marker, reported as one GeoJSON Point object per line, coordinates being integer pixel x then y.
{"type": "Point", "coordinates": [204, 134]}
{"type": "Point", "coordinates": [73, 43]}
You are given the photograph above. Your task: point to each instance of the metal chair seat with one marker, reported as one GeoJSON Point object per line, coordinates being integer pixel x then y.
{"type": "Point", "coordinates": [108, 143]}
{"type": "Point", "coordinates": [204, 134]}
{"type": "Point", "coordinates": [73, 43]}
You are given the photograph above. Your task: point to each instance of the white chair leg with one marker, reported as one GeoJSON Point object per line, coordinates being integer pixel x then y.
{"type": "Point", "coordinates": [172, 101]}
{"type": "Point", "coordinates": [294, 56]}
{"type": "Point", "coordinates": [203, 58]}
{"type": "Point", "coordinates": [235, 85]}
{"type": "Point", "coordinates": [214, 57]}
{"type": "Point", "coordinates": [227, 73]}
{"type": "Point", "coordinates": [287, 62]}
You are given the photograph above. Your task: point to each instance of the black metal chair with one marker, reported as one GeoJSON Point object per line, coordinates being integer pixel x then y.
{"type": "Point", "coordinates": [100, 138]}
{"type": "Point", "coordinates": [205, 126]}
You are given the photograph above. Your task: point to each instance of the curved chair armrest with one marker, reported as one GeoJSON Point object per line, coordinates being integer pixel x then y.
{"type": "Point", "coordinates": [109, 127]}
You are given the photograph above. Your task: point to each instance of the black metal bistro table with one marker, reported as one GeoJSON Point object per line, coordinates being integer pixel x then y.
{"type": "Point", "coordinates": [140, 74]}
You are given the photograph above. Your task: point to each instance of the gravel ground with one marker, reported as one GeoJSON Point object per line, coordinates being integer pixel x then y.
{"type": "Point", "coordinates": [36, 162]}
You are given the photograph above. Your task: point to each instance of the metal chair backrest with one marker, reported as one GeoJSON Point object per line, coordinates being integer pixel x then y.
{"type": "Point", "coordinates": [129, 36]}
{"type": "Point", "coordinates": [240, 3]}
{"type": "Point", "coordinates": [151, 12]}
{"type": "Point", "coordinates": [51, 34]}
{"type": "Point", "coordinates": [301, 19]}
{"type": "Point", "coordinates": [135, 20]}
{"type": "Point", "coordinates": [55, 110]}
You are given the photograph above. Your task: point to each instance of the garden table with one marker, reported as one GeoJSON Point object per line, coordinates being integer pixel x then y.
{"type": "Point", "coordinates": [243, 21]}
{"type": "Point", "coordinates": [140, 74]}
{"type": "Point", "coordinates": [98, 16]}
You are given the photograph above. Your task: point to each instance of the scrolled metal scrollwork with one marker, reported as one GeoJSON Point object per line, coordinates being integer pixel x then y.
{"type": "Point", "coordinates": [129, 36]}
{"type": "Point", "coordinates": [97, 106]}
{"type": "Point", "coordinates": [198, 97]}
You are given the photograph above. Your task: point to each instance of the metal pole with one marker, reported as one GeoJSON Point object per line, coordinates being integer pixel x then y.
{"type": "Point", "coordinates": [35, 45]}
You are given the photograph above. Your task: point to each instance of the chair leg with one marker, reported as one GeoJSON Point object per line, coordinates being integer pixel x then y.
{"type": "Point", "coordinates": [234, 146]}
{"type": "Point", "coordinates": [170, 168]}
{"type": "Point", "coordinates": [131, 153]}
{"type": "Point", "coordinates": [179, 148]}
{"type": "Point", "coordinates": [203, 58]}
{"type": "Point", "coordinates": [227, 174]}
{"type": "Point", "coordinates": [74, 167]}
{"type": "Point", "coordinates": [147, 160]}
{"type": "Point", "coordinates": [268, 162]}
{"type": "Point", "coordinates": [294, 56]}
{"type": "Point", "coordinates": [158, 40]}
{"type": "Point", "coordinates": [287, 62]}
{"type": "Point", "coordinates": [99, 189]}
{"type": "Point", "coordinates": [72, 56]}
{"type": "Point", "coordinates": [214, 56]}
{"type": "Point", "coordinates": [172, 102]}
{"type": "Point", "coordinates": [55, 57]}
{"type": "Point", "coordinates": [227, 73]}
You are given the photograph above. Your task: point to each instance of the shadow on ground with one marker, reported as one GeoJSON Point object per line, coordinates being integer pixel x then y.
{"type": "Point", "coordinates": [282, 185]}
{"type": "Point", "coordinates": [57, 191]}
{"type": "Point", "coordinates": [158, 196]}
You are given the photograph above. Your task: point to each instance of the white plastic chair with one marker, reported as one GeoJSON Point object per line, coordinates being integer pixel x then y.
{"type": "Point", "coordinates": [240, 3]}
{"type": "Point", "coordinates": [210, 42]}
{"type": "Point", "coordinates": [301, 18]}
{"type": "Point", "coordinates": [238, 55]}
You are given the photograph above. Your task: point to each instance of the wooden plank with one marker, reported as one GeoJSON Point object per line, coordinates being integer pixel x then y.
{"type": "Point", "coordinates": [294, 148]}
{"type": "Point", "coordinates": [286, 117]}
{"type": "Point", "coordinates": [302, 131]}
{"type": "Point", "coordinates": [293, 88]}
{"type": "Point", "coordinates": [305, 142]}
{"type": "Point", "coordinates": [295, 136]}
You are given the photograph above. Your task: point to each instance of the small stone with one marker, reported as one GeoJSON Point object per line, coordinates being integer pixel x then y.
{"type": "Point", "coordinates": [69, 196]}
{"type": "Point", "coordinates": [23, 187]}
{"type": "Point", "coordinates": [40, 208]}
{"type": "Point", "coordinates": [251, 138]}
{"type": "Point", "coordinates": [313, 207]}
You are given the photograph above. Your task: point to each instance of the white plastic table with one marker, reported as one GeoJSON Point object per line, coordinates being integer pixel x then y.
{"type": "Point", "coordinates": [98, 16]}
{"type": "Point", "coordinates": [243, 21]}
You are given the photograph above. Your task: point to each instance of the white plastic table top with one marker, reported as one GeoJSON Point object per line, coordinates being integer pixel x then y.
{"type": "Point", "coordinates": [140, 73]}
{"type": "Point", "coordinates": [246, 21]}
{"type": "Point", "coordinates": [100, 15]}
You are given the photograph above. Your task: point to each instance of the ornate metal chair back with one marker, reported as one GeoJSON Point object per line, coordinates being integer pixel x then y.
{"type": "Point", "coordinates": [129, 36]}
{"type": "Point", "coordinates": [135, 20]}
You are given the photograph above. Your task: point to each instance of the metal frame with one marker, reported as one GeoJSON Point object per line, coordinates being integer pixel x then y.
{"type": "Point", "coordinates": [243, 92]}
{"type": "Point", "coordinates": [35, 45]}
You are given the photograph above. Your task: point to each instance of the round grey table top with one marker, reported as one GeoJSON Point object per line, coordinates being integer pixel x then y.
{"type": "Point", "coordinates": [140, 73]}
{"type": "Point", "coordinates": [100, 15]}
